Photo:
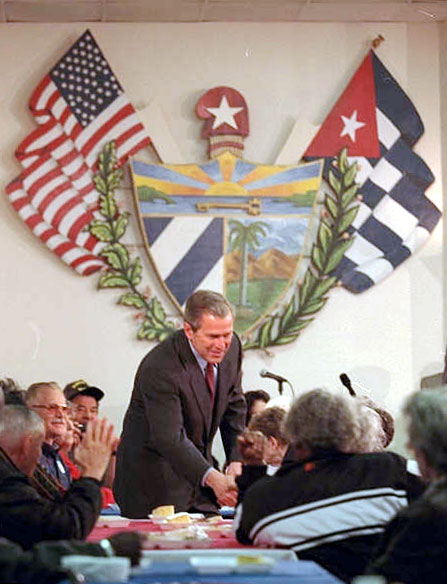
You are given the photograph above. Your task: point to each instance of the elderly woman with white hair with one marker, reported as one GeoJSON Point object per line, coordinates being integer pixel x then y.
{"type": "Point", "coordinates": [414, 545]}
{"type": "Point", "coordinates": [333, 503]}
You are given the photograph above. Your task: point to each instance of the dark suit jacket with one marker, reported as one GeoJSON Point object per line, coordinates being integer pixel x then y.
{"type": "Point", "coordinates": [169, 427]}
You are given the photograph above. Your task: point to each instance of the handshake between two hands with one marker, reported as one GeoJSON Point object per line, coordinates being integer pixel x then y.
{"type": "Point", "coordinates": [252, 446]}
{"type": "Point", "coordinates": [224, 485]}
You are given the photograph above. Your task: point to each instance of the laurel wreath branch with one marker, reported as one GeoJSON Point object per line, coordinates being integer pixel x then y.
{"type": "Point", "coordinates": [311, 294]}
{"type": "Point", "coordinates": [122, 271]}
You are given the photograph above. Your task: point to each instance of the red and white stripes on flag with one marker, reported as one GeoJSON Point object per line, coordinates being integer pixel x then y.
{"type": "Point", "coordinates": [79, 106]}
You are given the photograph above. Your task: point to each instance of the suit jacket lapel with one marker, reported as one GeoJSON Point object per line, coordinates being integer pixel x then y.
{"type": "Point", "coordinates": [197, 381]}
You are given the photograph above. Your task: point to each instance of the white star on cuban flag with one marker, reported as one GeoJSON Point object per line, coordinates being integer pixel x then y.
{"type": "Point", "coordinates": [351, 125]}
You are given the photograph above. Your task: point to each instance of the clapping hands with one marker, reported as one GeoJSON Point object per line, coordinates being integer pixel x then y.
{"type": "Point", "coordinates": [93, 453]}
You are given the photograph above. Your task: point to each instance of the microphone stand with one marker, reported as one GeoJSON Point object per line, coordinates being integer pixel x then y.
{"type": "Point", "coordinates": [280, 381]}
{"type": "Point", "coordinates": [280, 386]}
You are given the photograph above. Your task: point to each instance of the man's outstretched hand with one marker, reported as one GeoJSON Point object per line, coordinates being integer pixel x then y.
{"type": "Point", "coordinates": [224, 487]}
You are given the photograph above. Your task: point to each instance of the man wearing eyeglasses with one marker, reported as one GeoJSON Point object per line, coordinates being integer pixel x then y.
{"type": "Point", "coordinates": [48, 401]}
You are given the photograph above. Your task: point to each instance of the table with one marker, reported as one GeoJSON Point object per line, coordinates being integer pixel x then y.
{"type": "Point", "coordinates": [171, 565]}
{"type": "Point", "coordinates": [107, 526]}
{"type": "Point", "coordinates": [285, 572]}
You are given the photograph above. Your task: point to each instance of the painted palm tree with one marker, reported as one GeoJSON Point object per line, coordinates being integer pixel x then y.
{"type": "Point", "coordinates": [245, 236]}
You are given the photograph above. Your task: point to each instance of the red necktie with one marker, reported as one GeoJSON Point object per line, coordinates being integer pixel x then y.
{"type": "Point", "coordinates": [210, 380]}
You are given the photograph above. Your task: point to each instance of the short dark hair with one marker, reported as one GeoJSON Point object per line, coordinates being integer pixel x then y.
{"type": "Point", "coordinates": [12, 392]}
{"type": "Point", "coordinates": [270, 423]}
{"type": "Point", "coordinates": [205, 301]}
{"type": "Point", "coordinates": [251, 397]}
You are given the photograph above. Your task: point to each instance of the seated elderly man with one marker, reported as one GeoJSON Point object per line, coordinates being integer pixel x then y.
{"type": "Point", "coordinates": [85, 400]}
{"type": "Point", "coordinates": [414, 545]}
{"type": "Point", "coordinates": [42, 563]}
{"type": "Point", "coordinates": [25, 516]}
{"type": "Point", "coordinates": [331, 505]}
{"type": "Point", "coordinates": [48, 401]}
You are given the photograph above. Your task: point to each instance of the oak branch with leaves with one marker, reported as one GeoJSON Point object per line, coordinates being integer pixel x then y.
{"type": "Point", "coordinates": [121, 270]}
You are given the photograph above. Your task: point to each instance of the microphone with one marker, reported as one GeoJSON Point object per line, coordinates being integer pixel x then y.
{"type": "Point", "coordinates": [347, 383]}
{"type": "Point", "coordinates": [278, 378]}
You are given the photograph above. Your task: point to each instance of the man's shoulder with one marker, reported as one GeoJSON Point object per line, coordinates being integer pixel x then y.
{"type": "Point", "coordinates": [384, 456]}
{"type": "Point", "coordinates": [14, 484]}
{"type": "Point", "coordinates": [176, 343]}
{"type": "Point", "coordinates": [9, 471]}
{"type": "Point", "coordinates": [167, 360]}
{"type": "Point", "coordinates": [384, 459]}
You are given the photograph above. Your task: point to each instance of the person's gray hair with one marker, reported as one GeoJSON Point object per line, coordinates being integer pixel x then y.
{"type": "Point", "coordinates": [205, 301]}
{"type": "Point", "coordinates": [320, 420]}
{"type": "Point", "coordinates": [426, 411]}
{"type": "Point", "coordinates": [34, 389]}
{"type": "Point", "coordinates": [17, 422]}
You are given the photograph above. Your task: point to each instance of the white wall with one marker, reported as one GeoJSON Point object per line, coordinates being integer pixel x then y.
{"type": "Point", "coordinates": [55, 325]}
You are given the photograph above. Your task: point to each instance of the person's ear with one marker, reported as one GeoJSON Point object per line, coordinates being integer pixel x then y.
{"type": "Point", "coordinates": [25, 445]}
{"type": "Point", "coordinates": [24, 454]}
{"type": "Point", "coordinates": [272, 442]}
{"type": "Point", "coordinates": [188, 330]}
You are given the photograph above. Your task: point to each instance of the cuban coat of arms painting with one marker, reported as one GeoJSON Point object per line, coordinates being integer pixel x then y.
{"type": "Point", "coordinates": [227, 224]}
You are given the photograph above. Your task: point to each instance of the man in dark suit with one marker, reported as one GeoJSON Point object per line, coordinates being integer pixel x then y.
{"type": "Point", "coordinates": [185, 389]}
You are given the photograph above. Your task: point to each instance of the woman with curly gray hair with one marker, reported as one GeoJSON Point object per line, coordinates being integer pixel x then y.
{"type": "Point", "coordinates": [333, 503]}
{"type": "Point", "coordinates": [415, 542]}
{"type": "Point", "coordinates": [323, 421]}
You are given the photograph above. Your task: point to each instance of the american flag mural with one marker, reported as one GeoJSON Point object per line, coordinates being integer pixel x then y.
{"type": "Point", "coordinates": [79, 106]}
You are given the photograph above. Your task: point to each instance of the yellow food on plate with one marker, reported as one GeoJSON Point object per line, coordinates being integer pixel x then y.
{"type": "Point", "coordinates": [163, 511]}
{"type": "Point", "coordinates": [214, 519]}
{"type": "Point", "coordinates": [179, 518]}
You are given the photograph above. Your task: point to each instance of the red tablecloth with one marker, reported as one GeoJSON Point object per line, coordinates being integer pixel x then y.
{"type": "Point", "coordinates": [220, 536]}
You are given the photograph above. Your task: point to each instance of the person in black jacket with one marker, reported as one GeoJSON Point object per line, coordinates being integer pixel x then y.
{"type": "Point", "coordinates": [41, 563]}
{"type": "Point", "coordinates": [186, 388]}
{"type": "Point", "coordinates": [333, 503]}
{"type": "Point", "coordinates": [414, 545]}
{"type": "Point", "coordinates": [25, 516]}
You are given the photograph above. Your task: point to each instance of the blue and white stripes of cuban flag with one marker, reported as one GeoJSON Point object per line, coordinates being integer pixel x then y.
{"type": "Point", "coordinates": [395, 217]}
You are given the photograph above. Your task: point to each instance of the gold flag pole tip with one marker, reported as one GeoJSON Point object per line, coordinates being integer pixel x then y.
{"type": "Point", "coordinates": [377, 41]}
